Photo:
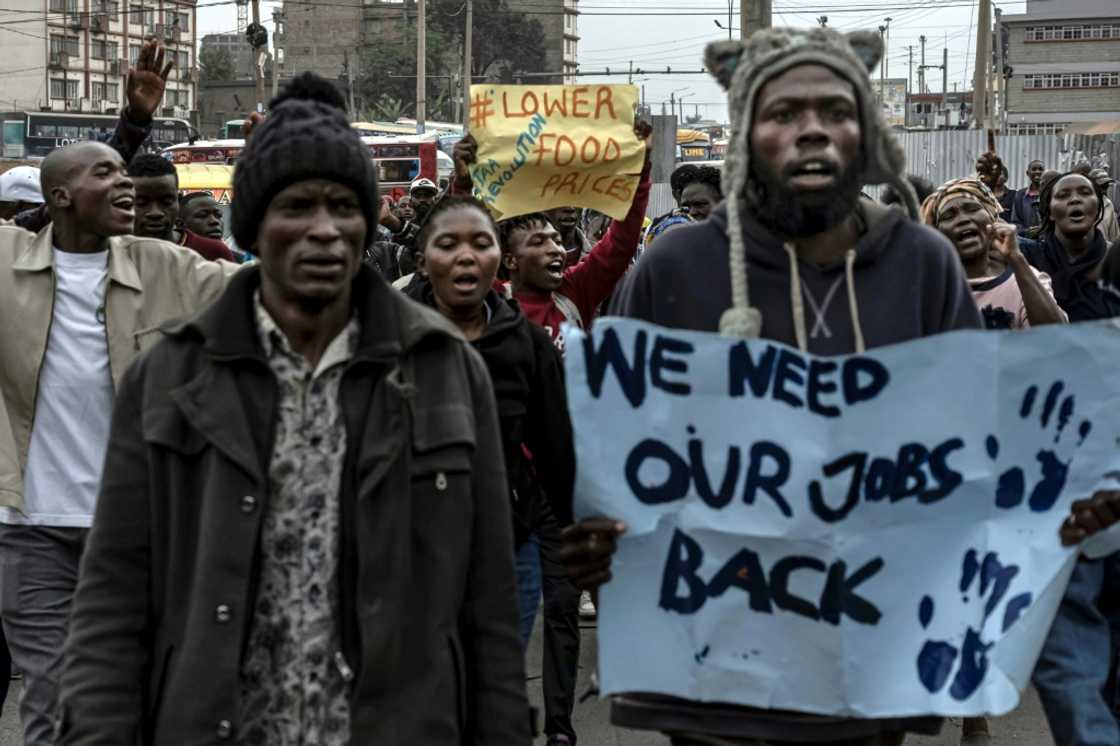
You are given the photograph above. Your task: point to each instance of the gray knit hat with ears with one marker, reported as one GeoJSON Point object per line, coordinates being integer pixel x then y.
{"type": "Point", "coordinates": [743, 68]}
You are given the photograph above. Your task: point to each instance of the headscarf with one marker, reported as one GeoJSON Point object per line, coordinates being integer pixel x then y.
{"type": "Point", "coordinates": [971, 187]}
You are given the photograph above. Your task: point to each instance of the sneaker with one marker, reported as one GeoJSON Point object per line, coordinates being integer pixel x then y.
{"type": "Point", "coordinates": [558, 741]}
{"type": "Point", "coordinates": [586, 611]}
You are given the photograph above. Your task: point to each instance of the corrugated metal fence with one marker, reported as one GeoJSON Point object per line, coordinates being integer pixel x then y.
{"type": "Point", "coordinates": [950, 154]}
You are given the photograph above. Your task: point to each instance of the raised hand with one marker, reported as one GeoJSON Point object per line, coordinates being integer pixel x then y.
{"type": "Point", "coordinates": [1005, 240]}
{"type": "Point", "coordinates": [465, 154]}
{"type": "Point", "coordinates": [147, 81]}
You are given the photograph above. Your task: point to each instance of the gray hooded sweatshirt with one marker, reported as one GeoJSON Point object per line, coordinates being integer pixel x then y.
{"type": "Point", "coordinates": [902, 281]}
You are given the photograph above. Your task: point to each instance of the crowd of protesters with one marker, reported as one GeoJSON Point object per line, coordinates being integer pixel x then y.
{"type": "Point", "coordinates": [318, 497]}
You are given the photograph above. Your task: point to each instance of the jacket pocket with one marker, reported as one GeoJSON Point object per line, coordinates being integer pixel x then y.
{"type": "Point", "coordinates": [458, 674]}
{"type": "Point", "coordinates": [166, 426]}
{"type": "Point", "coordinates": [443, 441]}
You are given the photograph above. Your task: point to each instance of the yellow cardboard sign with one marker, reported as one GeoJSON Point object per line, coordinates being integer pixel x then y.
{"type": "Point", "coordinates": [545, 146]}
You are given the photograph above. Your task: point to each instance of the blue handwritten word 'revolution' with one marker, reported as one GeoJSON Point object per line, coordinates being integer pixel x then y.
{"type": "Point", "coordinates": [768, 590]}
{"type": "Point", "coordinates": [524, 145]}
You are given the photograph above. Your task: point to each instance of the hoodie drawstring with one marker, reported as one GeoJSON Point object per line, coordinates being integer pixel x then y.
{"type": "Point", "coordinates": [798, 304]}
{"type": "Point", "coordinates": [795, 298]}
{"type": "Point", "coordinates": [853, 306]}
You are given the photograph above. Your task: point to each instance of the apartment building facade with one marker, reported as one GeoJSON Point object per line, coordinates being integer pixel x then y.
{"type": "Point", "coordinates": [73, 55]}
{"type": "Point", "coordinates": [1064, 59]}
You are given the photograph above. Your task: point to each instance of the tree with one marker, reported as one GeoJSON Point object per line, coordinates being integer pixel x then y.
{"type": "Point", "coordinates": [216, 63]}
{"type": "Point", "coordinates": [386, 79]}
{"type": "Point", "coordinates": [503, 39]}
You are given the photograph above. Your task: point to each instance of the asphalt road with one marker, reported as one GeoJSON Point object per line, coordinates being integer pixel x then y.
{"type": "Point", "coordinates": [1024, 727]}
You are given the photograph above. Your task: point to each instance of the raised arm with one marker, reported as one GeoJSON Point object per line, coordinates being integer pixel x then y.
{"type": "Point", "coordinates": [591, 282]}
{"type": "Point", "coordinates": [107, 653]}
{"type": "Point", "coordinates": [1037, 297]}
{"type": "Point", "coordinates": [144, 86]}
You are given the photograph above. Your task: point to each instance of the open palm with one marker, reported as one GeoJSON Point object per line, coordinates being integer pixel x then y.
{"type": "Point", "coordinates": [147, 80]}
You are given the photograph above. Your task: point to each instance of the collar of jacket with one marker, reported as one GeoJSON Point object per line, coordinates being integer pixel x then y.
{"type": "Point", "coordinates": [390, 323]}
{"type": "Point", "coordinates": [39, 255]}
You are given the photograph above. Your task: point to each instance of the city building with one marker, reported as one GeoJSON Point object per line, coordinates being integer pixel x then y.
{"type": "Point", "coordinates": [236, 45]}
{"type": "Point", "coordinates": [892, 99]}
{"type": "Point", "coordinates": [561, 30]}
{"type": "Point", "coordinates": [66, 56]}
{"type": "Point", "coordinates": [1064, 60]}
{"type": "Point", "coordinates": [934, 111]}
{"type": "Point", "coordinates": [322, 37]}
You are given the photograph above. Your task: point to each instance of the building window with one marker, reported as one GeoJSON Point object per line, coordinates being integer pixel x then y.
{"type": "Point", "coordinates": [1028, 128]}
{"type": "Point", "coordinates": [181, 99]}
{"type": "Point", "coordinates": [1046, 81]}
{"type": "Point", "coordinates": [133, 54]}
{"type": "Point", "coordinates": [64, 44]}
{"type": "Point", "coordinates": [105, 91]}
{"type": "Point", "coordinates": [62, 88]}
{"type": "Point", "coordinates": [103, 50]}
{"type": "Point", "coordinates": [178, 21]}
{"type": "Point", "coordinates": [63, 6]}
{"type": "Point", "coordinates": [110, 8]}
{"type": "Point", "coordinates": [141, 16]}
{"type": "Point", "coordinates": [1074, 32]}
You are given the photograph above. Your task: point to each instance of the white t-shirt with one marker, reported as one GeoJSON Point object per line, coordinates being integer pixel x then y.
{"type": "Point", "coordinates": [75, 400]}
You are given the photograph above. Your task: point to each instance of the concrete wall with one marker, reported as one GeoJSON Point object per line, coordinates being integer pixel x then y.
{"type": "Point", "coordinates": [318, 36]}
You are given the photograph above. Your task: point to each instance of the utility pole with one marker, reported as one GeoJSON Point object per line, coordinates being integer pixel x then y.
{"type": "Point", "coordinates": [823, 21]}
{"type": "Point", "coordinates": [755, 15]}
{"type": "Point", "coordinates": [277, 21]}
{"type": "Point", "coordinates": [981, 88]}
{"type": "Point", "coordinates": [887, 48]}
{"type": "Point", "coordinates": [909, 83]}
{"type": "Point", "coordinates": [349, 83]}
{"type": "Point", "coordinates": [944, 84]}
{"type": "Point", "coordinates": [672, 103]}
{"type": "Point", "coordinates": [468, 63]}
{"type": "Point", "coordinates": [730, 10]}
{"type": "Point", "coordinates": [630, 75]}
{"type": "Point", "coordinates": [1001, 74]}
{"type": "Point", "coordinates": [922, 67]}
{"type": "Point", "coordinates": [421, 65]}
{"type": "Point", "coordinates": [258, 72]}
{"type": "Point", "coordinates": [883, 68]}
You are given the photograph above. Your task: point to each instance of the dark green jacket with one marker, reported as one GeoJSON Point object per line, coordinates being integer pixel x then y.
{"type": "Point", "coordinates": [429, 617]}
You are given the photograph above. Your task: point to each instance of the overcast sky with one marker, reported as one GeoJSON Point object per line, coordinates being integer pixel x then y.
{"type": "Point", "coordinates": [677, 40]}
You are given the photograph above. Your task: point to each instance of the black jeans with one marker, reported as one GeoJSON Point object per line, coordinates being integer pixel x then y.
{"type": "Point", "coordinates": [561, 633]}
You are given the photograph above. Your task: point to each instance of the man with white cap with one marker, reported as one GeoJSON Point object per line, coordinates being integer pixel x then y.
{"type": "Point", "coordinates": [19, 191]}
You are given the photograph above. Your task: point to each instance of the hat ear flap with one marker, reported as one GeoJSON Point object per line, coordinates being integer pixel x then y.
{"type": "Point", "coordinates": [868, 46]}
{"type": "Point", "coordinates": [721, 58]}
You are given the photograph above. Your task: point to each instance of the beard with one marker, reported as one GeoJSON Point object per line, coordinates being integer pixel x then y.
{"type": "Point", "coordinates": [796, 213]}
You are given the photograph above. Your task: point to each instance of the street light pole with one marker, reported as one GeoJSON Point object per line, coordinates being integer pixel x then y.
{"type": "Point", "coordinates": [730, 10]}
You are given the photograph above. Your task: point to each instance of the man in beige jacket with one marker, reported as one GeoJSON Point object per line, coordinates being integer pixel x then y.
{"type": "Point", "coordinates": [78, 302]}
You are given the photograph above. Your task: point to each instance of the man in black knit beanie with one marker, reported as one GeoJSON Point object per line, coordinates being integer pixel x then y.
{"type": "Point", "coordinates": [303, 533]}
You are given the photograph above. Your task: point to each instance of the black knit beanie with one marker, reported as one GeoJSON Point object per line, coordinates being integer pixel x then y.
{"type": "Point", "coordinates": [300, 139]}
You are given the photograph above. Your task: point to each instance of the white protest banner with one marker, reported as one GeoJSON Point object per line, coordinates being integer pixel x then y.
{"type": "Point", "coordinates": [874, 535]}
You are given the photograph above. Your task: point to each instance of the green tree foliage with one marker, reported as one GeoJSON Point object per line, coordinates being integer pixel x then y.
{"type": "Point", "coordinates": [504, 41]}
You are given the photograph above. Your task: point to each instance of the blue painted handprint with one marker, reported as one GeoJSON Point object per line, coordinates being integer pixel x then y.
{"type": "Point", "coordinates": [1012, 485]}
{"type": "Point", "coordinates": [937, 658]}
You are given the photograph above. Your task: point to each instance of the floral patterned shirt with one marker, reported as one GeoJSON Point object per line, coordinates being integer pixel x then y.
{"type": "Point", "coordinates": [293, 679]}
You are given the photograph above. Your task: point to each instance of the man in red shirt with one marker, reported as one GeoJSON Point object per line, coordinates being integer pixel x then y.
{"type": "Point", "coordinates": [157, 207]}
{"type": "Point", "coordinates": [550, 292]}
